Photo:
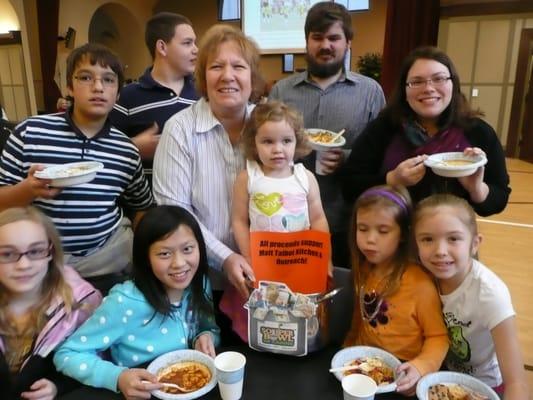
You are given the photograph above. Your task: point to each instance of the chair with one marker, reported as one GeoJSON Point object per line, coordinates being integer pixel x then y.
{"type": "Point", "coordinates": [341, 306]}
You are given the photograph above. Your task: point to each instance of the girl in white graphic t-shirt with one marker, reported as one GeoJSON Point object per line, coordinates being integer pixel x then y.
{"type": "Point", "coordinates": [476, 303]}
{"type": "Point", "coordinates": [273, 194]}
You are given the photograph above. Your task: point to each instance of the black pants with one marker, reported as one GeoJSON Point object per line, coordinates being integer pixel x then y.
{"type": "Point", "coordinates": [105, 282]}
{"type": "Point", "coordinates": [340, 250]}
{"type": "Point", "coordinates": [227, 336]}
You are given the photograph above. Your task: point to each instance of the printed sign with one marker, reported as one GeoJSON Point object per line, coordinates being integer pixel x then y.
{"type": "Point", "coordinates": [298, 259]}
{"type": "Point", "coordinates": [278, 319]}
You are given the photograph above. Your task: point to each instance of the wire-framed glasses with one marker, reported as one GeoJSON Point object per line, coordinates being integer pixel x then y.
{"type": "Point", "coordinates": [86, 79]}
{"type": "Point", "coordinates": [436, 81]}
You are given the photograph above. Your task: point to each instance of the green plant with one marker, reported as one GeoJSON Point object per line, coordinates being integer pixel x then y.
{"type": "Point", "coordinates": [369, 64]}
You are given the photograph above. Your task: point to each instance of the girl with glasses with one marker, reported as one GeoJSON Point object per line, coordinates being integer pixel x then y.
{"type": "Point", "coordinates": [41, 303]}
{"type": "Point", "coordinates": [428, 114]}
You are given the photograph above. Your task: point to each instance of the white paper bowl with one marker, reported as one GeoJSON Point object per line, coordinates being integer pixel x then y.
{"type": "Point", "coordinates": [347, 355]}
{"type": "Point", "coordinates": [173, 357]}
{"type": "Point", "coordinates": [437, 162]}
{"type": "Point", "coordinates": [324, 146]}
{"type": "Point", "coordinates": [444, 377]}
{"type": "Point", "coordinates": [70, 174]}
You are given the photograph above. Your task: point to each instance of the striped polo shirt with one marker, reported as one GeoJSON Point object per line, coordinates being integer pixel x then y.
{"type": "Point", "coordinates": [86, 215]}
{"type": "Point", "coordinates": [142, 103]}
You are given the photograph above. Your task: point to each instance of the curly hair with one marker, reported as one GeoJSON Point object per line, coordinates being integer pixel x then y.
{"type": "Point", "coordinates": [274, 111]}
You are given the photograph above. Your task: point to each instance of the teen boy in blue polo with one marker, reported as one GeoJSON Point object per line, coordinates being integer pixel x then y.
{"type": "Point", "coordinates": [164, 89]}
{"type": "Point", "coordinates": [96, 237]}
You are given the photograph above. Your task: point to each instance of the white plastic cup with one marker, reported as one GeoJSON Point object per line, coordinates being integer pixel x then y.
{"type": "Point", "coordinates": [319, 168]}
{"type": "Point", "coordinates": [358, 387]}
{"type": "Point", "coordinates": [230, 374]}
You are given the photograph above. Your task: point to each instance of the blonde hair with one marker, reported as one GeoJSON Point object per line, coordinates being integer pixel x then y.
{"type": "Point", "coordinates": [397, 199]}
{"type": "Point", "coordinates": [209, 46]}
{"type": "Point", "coordinates": [464, 211]}
{"type": "Point", "coordinates": [274, 111]}
{"type": "Point", "coordinates": [53, 284]}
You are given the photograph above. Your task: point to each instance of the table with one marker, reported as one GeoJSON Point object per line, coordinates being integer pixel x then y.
{"type": "Point", "coordinates": [269, 377]}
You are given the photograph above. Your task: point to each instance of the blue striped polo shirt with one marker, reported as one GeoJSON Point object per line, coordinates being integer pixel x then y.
{"type": "Point", "coordinates": [86, 215]}
{"type": "Point", "coordinates": [142, 103]}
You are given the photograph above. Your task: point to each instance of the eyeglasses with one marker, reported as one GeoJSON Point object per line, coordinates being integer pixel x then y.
{"type": "Point", "coordinates": [89, 80]}
{"type": "Point", "coordinates": [13, 256]}
{"type": "Point", "coordinates": [435, 82]}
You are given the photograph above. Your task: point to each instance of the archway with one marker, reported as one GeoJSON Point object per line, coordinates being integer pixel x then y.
{"type": "Point", "coordinates": [14, 90]}
{"type": "Point", "coordinates": [114, 26]}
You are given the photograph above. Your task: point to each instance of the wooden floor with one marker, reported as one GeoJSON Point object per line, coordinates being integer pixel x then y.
{"type": "Point", "coordinates": [507, 249]}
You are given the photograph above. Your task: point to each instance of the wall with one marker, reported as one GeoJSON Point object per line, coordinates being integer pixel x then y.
{"type": "Point", "coordinates": [369, 30]}
{"type": "Point", "coordinates": [485, 50]}
{"type": "Point", "coordinates": [23, 57]}
{"type": "Point", "coordinates": [369, 34]}
{"type": "Point", "coordinates": [129, 43]}
{"type": "Point", "coordinates": [8, 17]}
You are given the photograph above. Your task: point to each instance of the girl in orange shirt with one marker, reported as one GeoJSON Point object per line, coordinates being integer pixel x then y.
{"type": "Point", "coordinates": [397, 307]}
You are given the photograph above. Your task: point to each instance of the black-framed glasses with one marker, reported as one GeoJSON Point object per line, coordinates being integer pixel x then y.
{"type": "Point", "coordinates": [436, 81]}
{"type": "Point", "coordinates": [12, 256]}
{"type": "Point", "coordinates": [89, 80]}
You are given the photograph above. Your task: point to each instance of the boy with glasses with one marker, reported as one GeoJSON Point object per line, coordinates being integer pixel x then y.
{"type": "Point", "coordinates": [97, 238]}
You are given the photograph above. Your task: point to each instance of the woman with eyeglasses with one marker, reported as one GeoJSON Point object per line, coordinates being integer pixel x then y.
{"type": "Point", "coordinates": [428, 114]}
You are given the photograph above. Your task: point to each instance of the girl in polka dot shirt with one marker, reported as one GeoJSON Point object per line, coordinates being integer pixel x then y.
{"type": "Point", "coordinates": [165, 307]}
{"type": "Point", "coordinates": [41, 303]}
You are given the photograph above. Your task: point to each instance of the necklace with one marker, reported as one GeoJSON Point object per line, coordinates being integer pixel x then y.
{"type": "Point", "coordinates": [372, 305]}
{"type": "Point", "coordinates": [369, 303]}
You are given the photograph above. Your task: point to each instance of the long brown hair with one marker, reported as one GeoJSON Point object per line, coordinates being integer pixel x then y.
{"type": "Point", "coordinates": [53, 283]}
{"type": "Point", "coordinates": [458, 113]}
{"type": "Point", "coordinates": [396, 199]}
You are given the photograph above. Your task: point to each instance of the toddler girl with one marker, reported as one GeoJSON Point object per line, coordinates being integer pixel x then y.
{"type": "Point", "coordinates": [476, 303]}
{"type": "Point", "coordinates": [41, 303]}
{"type": "Point", "coordinates": [397, 307]}
{"type": "Point", "coordinates": [165, 307]}
{"type": "Point", "coordinates": [273, 193]}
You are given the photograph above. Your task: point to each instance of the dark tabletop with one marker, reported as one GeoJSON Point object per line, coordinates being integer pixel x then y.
{"type": "Point", "coordinates": [269, 377]}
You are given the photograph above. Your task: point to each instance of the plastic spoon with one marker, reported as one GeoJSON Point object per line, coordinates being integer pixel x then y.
{"type": "Point", "coordinates": [338, 135]}
{"type": "Point", "coordinates": [345, 368]}
{"type": "Point", "coordinates": [328, 295]}
{"type": "Point", "coordinates": [173, 386]}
